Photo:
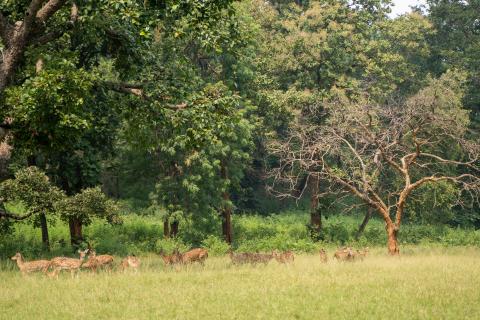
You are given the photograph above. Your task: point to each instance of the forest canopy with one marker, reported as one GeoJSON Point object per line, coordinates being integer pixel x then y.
{"type": "Point", "coordinates": [197, 110]}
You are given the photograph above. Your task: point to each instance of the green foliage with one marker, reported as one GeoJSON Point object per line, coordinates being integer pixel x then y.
{"type": "Point", "coordinates": [215, 246]}
{"type": "Point", "coordinates": [33, 190]}
{"type": "Point", "coordinates": [86, 205]}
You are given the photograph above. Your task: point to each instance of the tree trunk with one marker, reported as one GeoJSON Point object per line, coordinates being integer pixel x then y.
{"type": "Point", "coordinates": [166, 229]}
{"type": "Point", "coordinates": [392, 242]}
{"type": "Point", "coordinates": [227, 210]}
{"type": "Point", "coordinates": [315, 214]}
{"type": "Point", "coordinates": [367, 217]}
{"type": "Point", "coordinates": [227, 220]}
{"type": "Point", "coordinates": [174, 229]}
{"type": "Point", "coordinates": [44, 227]}
{"type": "Point", "coordinates": [76, 236]}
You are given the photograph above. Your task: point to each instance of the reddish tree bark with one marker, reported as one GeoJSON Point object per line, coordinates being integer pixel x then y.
{"type": "Point", "coordinates": [76, 235]}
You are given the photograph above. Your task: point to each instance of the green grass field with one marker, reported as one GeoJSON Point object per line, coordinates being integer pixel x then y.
{"type": "Point", "coordinates": [421, 284]}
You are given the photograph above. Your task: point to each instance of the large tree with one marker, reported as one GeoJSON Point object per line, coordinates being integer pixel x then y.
{"type": "Point", "coordinates": [382, 154]}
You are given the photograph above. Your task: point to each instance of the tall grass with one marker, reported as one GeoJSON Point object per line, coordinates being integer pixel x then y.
{"type": "Point", "coordinates": [442, 284]}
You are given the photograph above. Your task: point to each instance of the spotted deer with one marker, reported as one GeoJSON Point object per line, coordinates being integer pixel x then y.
{"type": "Point", "coordinates": [63, 263]}
{"type": "Point", "coordinates": [195, 255]}
{"type": "Point", "coordinates": [30, 266]}
{"type": "Point", "coordinates": [130, 262]}
{"type": "Point", "coordinates": [175, 258]}
{"type": "Point", "coordinates": [323, 256]}
{"type": "Point", "coordinates": [284, 257]}
{"type": "Point", "coordinates": [361, 254]}
{"type": "Point", "coordinates": [239, 258]}
{"type": "Point", "coordinates": [344, 254]}
{"type": "Point", "coordinates": [94, 261]}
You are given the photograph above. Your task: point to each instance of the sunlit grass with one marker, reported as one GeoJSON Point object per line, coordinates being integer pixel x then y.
{"type": "Point", "coordinates": [421, 284]}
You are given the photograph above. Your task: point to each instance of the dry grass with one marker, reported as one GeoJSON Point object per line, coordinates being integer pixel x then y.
{"type": "Point", "coordinates": [419, 285]}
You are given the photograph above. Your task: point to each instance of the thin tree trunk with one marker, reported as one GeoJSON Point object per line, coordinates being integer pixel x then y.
{"type": "Point", "coordinates": [365, 221]}
{"type": "Point", "coordinates": [227, 220]}
{"type": "Point", "coordinates": [166, 229]}
{"type": "Point", "coordinates": [315, 214]}
{"type": "Point", "coordinates": [174, 229]}
{"type": "Point", "coordinates": [44, 227]}
{"type": "Point", "coordinates": [226, 211]}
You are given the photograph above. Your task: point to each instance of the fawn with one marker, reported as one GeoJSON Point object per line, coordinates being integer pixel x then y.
{"type": "Point", "coordinates": [174, 258]}
{"type": "Point", "coordinates": [30, 266]}
{"type": "Point", "coordinates": [130, 262]}
{"type": "Point", "coordinates": [323, 256]}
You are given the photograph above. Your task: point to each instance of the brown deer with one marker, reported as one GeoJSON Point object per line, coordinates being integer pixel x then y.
{"type": "Point", "coordinates": [94, 261]}
{"type": "Point", "coordinates": [344, 254]}
{"type": "Point", "coordinates": [195, 255]}
{"type": "Point", "coordinates": [175, 258]}
{"type": "Point", "coordinates": [239, 258]}
{"type": "Point", "coordinates": [30, 266]}
{"type": "Point", "coordinates": [284, 257]}
{"type": "Point", "coordinates": [361, 254]}
{"type": "Point", "coordinates": [261, 258]}
{"type": "Point", "coordinates": [130, 262]}
{"type": "Point", "coordinates": [323, 256]}
{"type": "Point", "coordinates": [63, 263]}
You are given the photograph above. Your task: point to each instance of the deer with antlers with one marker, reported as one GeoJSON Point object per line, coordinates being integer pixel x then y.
{"type": "Point", "coordinates": [30, 266]}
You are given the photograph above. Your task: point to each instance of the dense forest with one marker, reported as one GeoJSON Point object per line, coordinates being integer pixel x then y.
{"type": "Point", "coordinates": [192, 112]}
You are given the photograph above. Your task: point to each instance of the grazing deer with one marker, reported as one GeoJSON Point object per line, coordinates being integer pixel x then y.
{"type": "Point", "coordinates": [261, 258]}
{"type": "Point", "coordinates": [285, 257]}
{"type": "Point", "coordinates": [130, 262]}
{"type": "Point", "coordinates": [195, 255]}
{"type": "Point", "coordinates": [63, 263]}
{"type": "Point", "coordinates": [344, 254]}
{"type": "Point", "coordinates": [323, 256]}
{"type": "Point", "coordinates": [239, 258]}
{"type": "Point", "coordinates": [30, 266]}
{"type": "Point", "coordinates": [361, 254]}
{"type": "Point", "coordinates": [174, 258]}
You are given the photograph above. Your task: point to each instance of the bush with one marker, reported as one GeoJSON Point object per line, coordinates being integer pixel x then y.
{"type": "Point", "coordinates": [215, 246]}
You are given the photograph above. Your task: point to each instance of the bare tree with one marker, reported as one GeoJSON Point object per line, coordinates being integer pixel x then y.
{"type": "Point", "coordinates": [382, 154]}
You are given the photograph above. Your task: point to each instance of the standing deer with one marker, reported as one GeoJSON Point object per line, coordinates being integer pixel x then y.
{"type": "Point", "coordinates": [323, 256]}
{"type": "Point", "coordinates": [239, 258]}
{"type": "Point", "coordinates": [63, 263]}
{"type": "Point", "coordinates": [344, 254]}
{"type": "Point", "coordinates": [195, 255]}
{"type": "Point", "coordinates": [94, 261]}
{"type": "Point", "coordinates": [130, 262]}
{"type": "Point", "coordinates": [361, 254]}
{"type": "Point", "coordinates": [174, 258]}
{"type": "Point", "coordinates": [30, 266]}
{"type": "Point", "coordinates": [284, 257]}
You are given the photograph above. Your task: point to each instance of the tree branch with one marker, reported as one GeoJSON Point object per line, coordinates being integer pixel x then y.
{"type": "Point", "coordinates": [5, 214]}
{"type": "Point", "coordinates": [49, 9]}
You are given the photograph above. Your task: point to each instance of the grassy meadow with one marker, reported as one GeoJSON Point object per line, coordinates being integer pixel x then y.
{"type": "Point", "coordinates": [424, 283]}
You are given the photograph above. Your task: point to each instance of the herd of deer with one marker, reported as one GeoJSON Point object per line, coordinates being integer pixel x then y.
{"type": "Point", "coordinates": [95, 262]}
{"type": "Point", "coordinates": [73, 265]}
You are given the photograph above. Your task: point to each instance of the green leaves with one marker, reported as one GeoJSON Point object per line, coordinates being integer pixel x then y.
{"type": "Point", "coordinates": [33, 189]}
{"type": "Point", "coordinates": [88, 204]}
